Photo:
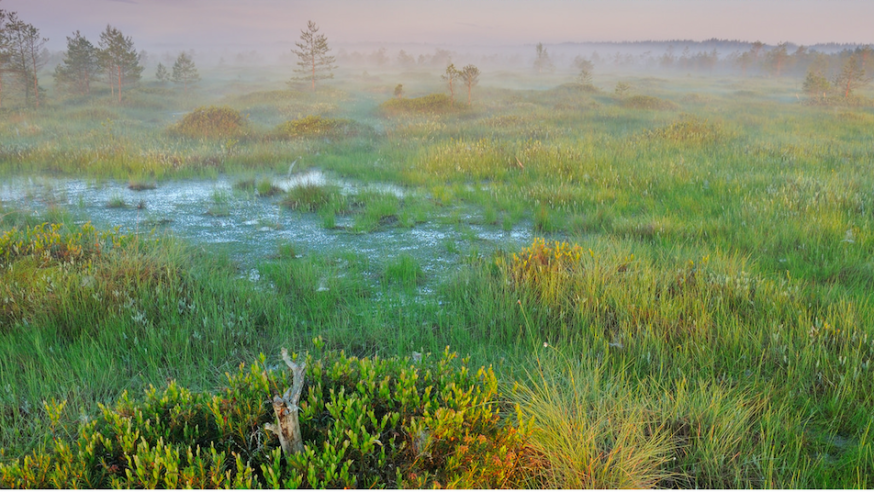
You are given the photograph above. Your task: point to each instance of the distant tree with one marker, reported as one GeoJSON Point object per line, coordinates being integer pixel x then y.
{"type": "Point", "coordinates": [667, 59]}
{"type": "Point", "coordinates": [314, 63]}
{"type": "Point", "coordinates": [852, 76]}
{"type": "Point", "coordinates": [26, 56]}
{"type": "Point", "coordinates": [119, 60]}
{"type": "Point", "coordinates": [184, 71]}
{"type": "Point", "coordinates": [399, 91]}
{"type": "Point", "coordinates": [450, 76]}
{"type": "Point", "coordinates": [816, 85]}
{"type": "Point", "coordinates": [162, 74]}
{"type": "Point", "coordinates": [5, 54]}
{"type": "Point", "coordinates": [542, 62]}
{"type": "Point", "coordinates": [622, 89]}
{"type": "Point", "coordinates": [405, 59]}
{"type": "Point", "coordinates": [379, 57]}
{"type": "Point", "coordinates": [584, 68]}
{"type": "Point", "coordinates": [79, 66]}
{"type": "Point", "coordinates": [470, 76]}
{"type": "Point", "coordinates": [777, 58]}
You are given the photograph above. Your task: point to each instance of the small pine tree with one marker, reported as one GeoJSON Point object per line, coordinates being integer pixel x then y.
{"type": "Point", "coordinates": [470, 76]}
{"type": "Point", "coordinates": [449, 76]}
{"type": "Point", "coordinates": [184, 71]}
{"type": "Point", "coordinates": [852, 76]}
{"type": "Point", "coordinates": [542, 63]}
{"type": "Point", "coordinates": [119, 60]}
{"type": "Point", "coordinates": [585, 68]}
{"type": "Point", "coordinates": [816, 85]}
{"type": "Point", "coordinates": [314, 63]}
{"type": "Point", "coordinates": [399, 91]}
{"type": "Point", "coordinates": [79, 66]}
{"type": "Point", "coordinates": [162, 74]}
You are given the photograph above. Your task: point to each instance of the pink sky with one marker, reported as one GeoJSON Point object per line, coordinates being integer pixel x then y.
{"type": "Point", "coordinates": [204, 23]}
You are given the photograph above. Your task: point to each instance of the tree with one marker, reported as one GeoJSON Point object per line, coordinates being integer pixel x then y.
{"type": "Point", "coordinates": [26, 57]}
{"type": "Point", "coordinates": [405, 59]}
{"type": "Point", "coordinates": [470, 76]}
{"type": "Point", "coordinates": [162, 74]}
{"type": "Point", "coordinates": [777, 58]}
{"type": "Point", "coordinates": [314, 63]}
{"type": "Point", "coordinates": [119, 60]}
{"type": "Point", "coordinates": [852, 76]}
{"type": "Point", "coordinates": [79, 66]}
{"type": "Point", "coordinates": [585, 68]}
{"type": "Point", "coordinates": [184, 71]}
{"type": "Point", "coordinates": [815, 84]}
{"type": "Point", "coordinates": [399, 91]}
{"type": "Point", "coordinates": [449, 76]}
{"type": "Point", "coordinates": [4, 50]}
{"type": "Point", "coordinates": [542, 62]}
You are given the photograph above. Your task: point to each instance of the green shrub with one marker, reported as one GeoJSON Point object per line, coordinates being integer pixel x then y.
{"type": "Point", "coordinates": [211, 122]}
{"type": "Point", "coordinates": [365, 423]}
{"type": "Point", "coordinates": [432, 103]}
{"type": "Point", "coordinates": [647, 102]}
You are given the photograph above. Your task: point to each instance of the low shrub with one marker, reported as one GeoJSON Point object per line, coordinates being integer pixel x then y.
{"type": "Point", "coordinates": [689, 129]}
{"type": "Point", "coordinates": [211, 122]}
{"type": "Point", "coordinates": [365, 423]}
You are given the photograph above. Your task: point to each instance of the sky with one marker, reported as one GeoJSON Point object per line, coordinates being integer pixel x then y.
{"type": "Point", "coordinates": [202, 24]}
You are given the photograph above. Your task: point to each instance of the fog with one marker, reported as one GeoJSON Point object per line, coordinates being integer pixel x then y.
{"type": "Point", "coordinates": [271, 26]}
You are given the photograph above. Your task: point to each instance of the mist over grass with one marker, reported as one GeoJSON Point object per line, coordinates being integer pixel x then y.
{"type": "Point", "coordinates": [705, 319]}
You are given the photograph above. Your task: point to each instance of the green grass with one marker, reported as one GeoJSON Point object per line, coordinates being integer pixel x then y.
{"type": "Point", "coordinates": [713, 328]}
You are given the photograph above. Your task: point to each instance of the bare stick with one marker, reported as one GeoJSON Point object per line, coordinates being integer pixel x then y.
{"type": "Point", "coordinates": [286, 409]}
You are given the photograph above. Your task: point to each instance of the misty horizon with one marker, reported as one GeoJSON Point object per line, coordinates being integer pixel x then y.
{"type": "Point", "coordinates": [270, 25]}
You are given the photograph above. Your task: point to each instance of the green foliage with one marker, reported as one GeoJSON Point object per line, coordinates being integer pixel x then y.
{"type": "Point", "coordinates": [211, 122]}
{"type": "Point", "coordinates": [79, 66]}
{"type": "Point", "coordinates": [184, 71]}
{"type": "Point", "coordinates": [365, 423]}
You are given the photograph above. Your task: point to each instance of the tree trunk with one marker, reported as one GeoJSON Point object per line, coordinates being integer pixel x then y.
{"type": "Point", "coordinates": [468, 95]}
{"type": "Point", "coordinates": [286, 409]}
{"type": "Point", "coordinates": [119, 84]}
{"type": "Point", "coordinates": [314, 73]}
{"type": "Point", "coordinates": [35, 78]}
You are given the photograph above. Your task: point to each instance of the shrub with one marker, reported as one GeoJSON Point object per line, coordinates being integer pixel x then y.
{"type": "Point", "coordinates": [211, 122]}
{"type": "Point", "coordinates": [316, 126]}
{"type": "Point", "coordinates": [432, 103]}
{"type": "Point", "coordinates": [364, 422]}
{"type": "Point", "coordinates": [545, 268]}
{"type": "Point", "coordinates": [647, 102]}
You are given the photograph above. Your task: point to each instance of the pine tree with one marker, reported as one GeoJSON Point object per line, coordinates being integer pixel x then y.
{"type": "Point", "coordinates": [184, 71]}
{"type": "Point", "coordinates": [162, 74]}
{"type": "Point", "coordinates": [119, 60]}
{"type": "Point", "coordinates": [470, 76]}
{"type": "Point", "coordinates": [542, 62]}
{"type": "Point", "coordinates": [449, 76]}
{"type": "Point", "coordinates": [25, 56]}
{"type": "Point", "coordinates": [852, 76]}
{"type": "Point", "coordinates": [4, 49]}
{"type": "Point", "coordinates": [79, 66]}
{"type": "Point", "coordinates": [314, 63]}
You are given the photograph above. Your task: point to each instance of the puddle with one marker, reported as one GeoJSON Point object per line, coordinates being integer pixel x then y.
{"type": "Point", "coordinates": [250, 229]}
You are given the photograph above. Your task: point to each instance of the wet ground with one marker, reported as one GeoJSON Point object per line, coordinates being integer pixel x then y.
{"type": "Point", "coordinates": [249, 228]}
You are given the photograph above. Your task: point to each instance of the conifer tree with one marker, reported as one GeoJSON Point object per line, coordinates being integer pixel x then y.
{"type": "Point", "coordinates": [25, 56]}
{"type": "Point", "coordinates": [79, 66]}
{"type": "Point", "coordinates": [314, 63]}
{"type": "Point", "coordinates": [470, 76]}
{"type": "Point", "coordinates": [450, 76]}
{"type": "Point", "coordinates": [119, 60]}
{"type": "Point", "coordinates": [162, 74]}
{"type": "Point", "coordinates": [184, 71]}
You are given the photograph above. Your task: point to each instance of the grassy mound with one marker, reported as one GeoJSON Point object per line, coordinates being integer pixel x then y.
{"type": "Point", "coordinates": [211, 122]}
{"type": "Point", "coordinates": [689, 130]}
{"type": "Point", "coordinates": [432, 103]}
{"type": "Point", "coordinates": [316, 126]}
{"type": "Point", "coordinates": [365, 423]}
{"type": "Point", "coordinates": [312, 197]}
{"type": "Point", "coordinates": [647, 102]}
